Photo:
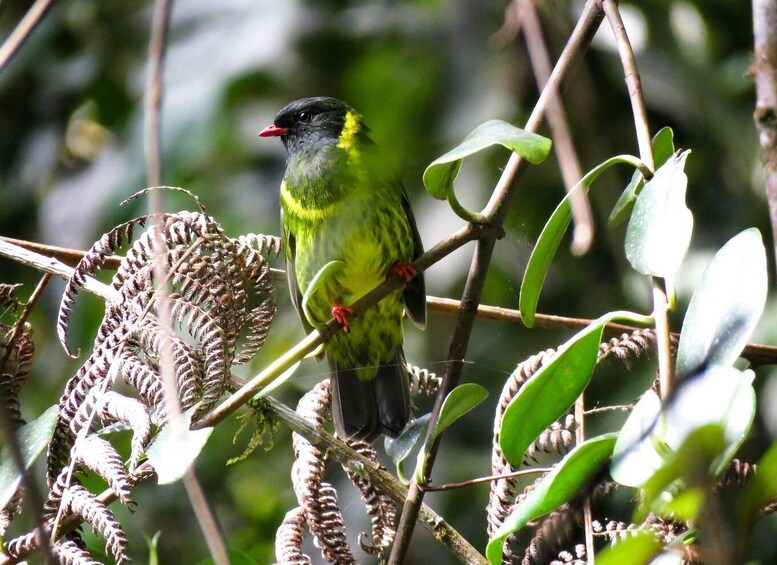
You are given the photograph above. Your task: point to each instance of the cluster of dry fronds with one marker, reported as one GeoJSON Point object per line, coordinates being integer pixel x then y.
{"type": "Point", "coordinates": [220, 299]}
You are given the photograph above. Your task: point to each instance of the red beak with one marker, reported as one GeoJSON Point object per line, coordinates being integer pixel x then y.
{"type": "Point", "coordinates": [272, 131]}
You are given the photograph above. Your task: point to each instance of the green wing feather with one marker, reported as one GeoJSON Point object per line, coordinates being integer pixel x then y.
{"type": "Point", "coordinates": [415, 293]}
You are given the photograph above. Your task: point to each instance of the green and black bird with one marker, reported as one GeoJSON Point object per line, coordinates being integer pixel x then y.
{"type": "Point", "coordinates": [340, 202]}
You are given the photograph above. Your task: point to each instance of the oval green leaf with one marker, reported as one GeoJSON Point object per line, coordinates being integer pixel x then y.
{"type": "Point", "coordinates": [636, 455]}
{"type": "Point", "coordinates": [663, 148]}
{"type": "Point", "coordinates": [550, 238]}
{"type": "Point", "coordinates": [726, 306]}
{"type": "Point", "coordinates": [566, 480]}
{"type": "Point", "coordinates": [440, 174]}
{"type": "Point", "coordinates": [553, 389]}
{"type": "Point", "coordinates": [32, 439]}
{"type": "Point", "coordinates": [399, 448]}
{"type": "Point", "coordinates": [660, 227]}
{"type": "Point", "coordinates": [459, 401]}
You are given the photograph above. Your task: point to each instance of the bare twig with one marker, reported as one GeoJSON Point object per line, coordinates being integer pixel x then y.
{"type": "Point", "coordinates": [488, 479]}
{"type": "Point", "coordinates": [582, 217]}
{"type": "Point", "coordinates": [764, 71]}
{"type": "Point", "coordinates": [22, 31]}
{"type": "Point", "coordinates": [660, 298]}
{"type": "Point", "coordinates": [495, 211]}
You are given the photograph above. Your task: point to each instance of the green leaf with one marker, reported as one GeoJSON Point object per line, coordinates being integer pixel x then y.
{"type": "Point", "coordinates": [321, 277]}
{"type": "Point", "coordinates": [639, 548]}
{"type": "Point", "coordinates": [440, 174]}
{"type": "Point", "coordinates": [566, 480]}
{"type": "Point", "coordinates": [550, 238]}
{"type": "Point", "coordinates": [153, 548]}
{"type": "Point", "coordinates": [553, 389]}
{"type": "Point", "coordinates": [721, 396]}
{"type": "Point", "coordinates": [660, 227]}
{"type": "Point", "coordinates": [175, 448]}
{"type": "Point", "coordinates": [663, 148]}
{"type": "Point", "coordinates": [636, 455]}
{"type": "Point", "coordinates": [760, 491]}
{"type": "Point", "coordinates": [399, 448]}
{"type": "Point", "coordinates": [459, 401]}
{"type": "Point", "coordinates": [726, 306]}
{"type": "Point", "coordinates": [692, 463]}
{"type": "Point", "coordinates": [33, 439]}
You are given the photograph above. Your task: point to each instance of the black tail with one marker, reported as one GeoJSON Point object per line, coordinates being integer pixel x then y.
{"type": "Point", "coordinates": [366, 409]}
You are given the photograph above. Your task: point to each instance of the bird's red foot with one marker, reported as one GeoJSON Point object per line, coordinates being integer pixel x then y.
{"type": "Point", "coordinates": [404, 271]}
{"type": "Point", "coordinates": [340, 314]}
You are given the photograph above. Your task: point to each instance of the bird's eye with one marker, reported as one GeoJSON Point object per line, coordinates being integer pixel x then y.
{"type": "Point", "coordinates": [304, 117]}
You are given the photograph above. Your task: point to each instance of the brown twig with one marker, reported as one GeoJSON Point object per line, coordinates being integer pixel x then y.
{"type": "Point", "coordinates": [764, 72]}
{"type": "Point", "coordinates": [634, 85]}
{"type": "Point", "coordinates": [582, 217]}
{"type": "Point", "coordinates": [488, 479]}
{"type": "Point", "coordinates": [495, 211]}
{"type": "Point", "coordinates": [22, 31]}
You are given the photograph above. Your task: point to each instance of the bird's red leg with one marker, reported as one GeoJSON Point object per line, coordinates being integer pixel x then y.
{"type": "Point", "coordinates": [404, 271]}
{"type": "Point", "coordinates": [340, 314]}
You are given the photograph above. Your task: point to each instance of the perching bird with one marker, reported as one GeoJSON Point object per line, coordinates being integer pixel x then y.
{"type": "Point", "coordinates": [339, 202]}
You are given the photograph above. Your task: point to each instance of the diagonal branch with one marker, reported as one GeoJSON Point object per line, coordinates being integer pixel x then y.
{"type": "Point", "coordinates": [22, 31]}
{"type": "Point", "coordinates": [495, 212]}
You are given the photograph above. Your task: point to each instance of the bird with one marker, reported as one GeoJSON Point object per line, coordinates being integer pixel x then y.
{"type": "Point", "coordinates": [347, 224]}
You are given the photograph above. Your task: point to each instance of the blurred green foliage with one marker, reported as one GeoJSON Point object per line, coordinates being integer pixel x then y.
{"type": "Point", "coordinates": [423, 73]}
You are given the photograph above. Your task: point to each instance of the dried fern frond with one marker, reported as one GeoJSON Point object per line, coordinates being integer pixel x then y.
{"type": "Point", "coordinates": [288, 539]}
{"type": "Point", "coordinates": [219, 294]}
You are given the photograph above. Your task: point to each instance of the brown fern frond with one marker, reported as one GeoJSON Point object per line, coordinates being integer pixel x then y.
{"type": "Point", "coordinates": [555, 439]}
{"type": "Point", "coordinates": [288, 539]}
{"type": "Point", "coordinates": [98, 454]}
{"type": "Point", "coordinates": [70, 552]}
{"type": "Point", "coordinates": [260, 244]}
{"type": "Point", "coordinates": [82, 503]}
{"type": "Point", "coordinates": [423, 380]}
{"type": "Point", "coordinates": [738, 472]}
{"type": "Point", "coordinates": [8, 299]}
{"type": "Point", "coordinates": [380, 507]}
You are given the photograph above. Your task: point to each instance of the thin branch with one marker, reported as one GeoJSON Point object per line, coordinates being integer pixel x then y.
{"type": "Point", "coordinates": [582, 217]}
{"type": "Point", "coordinates": [764, 72]}
{"type": "Point", "coordinates": [488, 479]}
{"type": "Point", "coordinates": [757, 354]}
{"type": "Point", "coordinates": [634, 85]}
{"type": "Point", "coordinates": [22, 31]}
{"type": "Point", "coordinates": [495, 212]}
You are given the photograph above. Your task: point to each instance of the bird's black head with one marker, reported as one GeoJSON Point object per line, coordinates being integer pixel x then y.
{"type": "Point", "coordinates": [311, 123]}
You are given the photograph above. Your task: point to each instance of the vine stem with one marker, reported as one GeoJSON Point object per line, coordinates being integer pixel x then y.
{"type": "Point", "coordinates": [495, 211]}
{"type": "Point", "coordinates": [659, 289]}
{"type": "Point", "coordinates": [22, 31]}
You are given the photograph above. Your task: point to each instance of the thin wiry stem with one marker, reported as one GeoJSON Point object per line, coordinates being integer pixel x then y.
{"type": "Point", "coordinates": [152, 112]}
{"type": "Point", "coordinates": [495, 212]}
{"type": "Point", "coordinates": [633, 83]}
{"type": "Point", "coordinates": [488, 479]}
{"type": "Point", "coordinates": [22, 31]}
{"type": "Point", "coordinates": [541, 64]}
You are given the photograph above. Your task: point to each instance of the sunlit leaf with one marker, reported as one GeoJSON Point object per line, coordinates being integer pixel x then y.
{"type": "Point", "coordinates": [399, 448]}
{"type": "Point", "coordinates": [721, 396]}
{"type": "Point", "coordinates": [175, 448]}
{"type": "Point", "coordinates": [440, 174]}
{"type": "Point", "coordinates": [663, 148]}
{"type": "Point", "coordinates": [33, 439]}
{"type": "Point", "coordinates": [726, 306]}
{"type": "Point", "coordinates": [637, 548]}
{"type": "Point", "coordinates": [636, 457]}
{"type": "Point", "coordinates": [692, 462]}
{"type": "Point", "coordinates": [566, 480]}
{"type": "Point", "coordinates": [553, 389]}
{"type": "Point", "coordinates": [459, 401]}
{"type": "Point", "coordinates": [660, 227]}
{"type": "Point", "coordinates": [550, 238]}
